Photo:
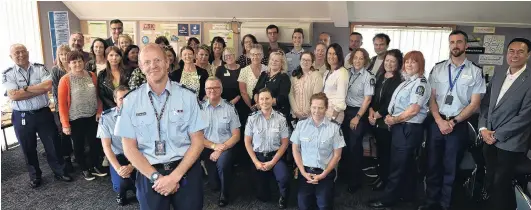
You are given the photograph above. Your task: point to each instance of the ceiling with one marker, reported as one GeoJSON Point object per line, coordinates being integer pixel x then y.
{"type": "Point", "coordinates": [514, 14]}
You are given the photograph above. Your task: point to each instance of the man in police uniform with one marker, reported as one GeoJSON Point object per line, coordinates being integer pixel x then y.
{"type": "Point", "coordinates": [359, 95]}
{"type": "Point", "coordinates": [457, 85]}
{"type": "Point", "coordinates": [122, 172]}
{"type": "Point", "coordinates": [221, 135]}
{"type": "Point", "coordinates": [27, 85]}
{"type": "Point", "coordinates": [355, 42]}
{"type": "Point", "coordinates": [162, 135]}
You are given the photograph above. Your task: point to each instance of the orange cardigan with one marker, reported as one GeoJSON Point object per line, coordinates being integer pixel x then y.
{"type": "Point", "coordinates": [64, 98]}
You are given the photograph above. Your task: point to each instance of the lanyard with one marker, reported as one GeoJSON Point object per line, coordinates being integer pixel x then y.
{"type": "Point", "coordinates": [398, 92]}
{"type": "Point", "coordinates": [158, 116]}
{"type": "Point", "coordinates": [28, 80]}
{"type": "Point", "coordinates": [452, 84]}
{"type": "Point", "coordinates": [350, 83]}
{"type": "Point", "coordinates": [326, 78]}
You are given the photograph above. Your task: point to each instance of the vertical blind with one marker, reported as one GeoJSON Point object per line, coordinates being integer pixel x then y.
{"type": "Point", "coordinates": [431, 41]}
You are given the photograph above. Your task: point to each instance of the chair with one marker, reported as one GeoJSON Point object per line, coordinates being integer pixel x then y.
{"type": "Point", "coordinates": [472, 164]}
{"type": "Point", "coordinates": [522, 200]}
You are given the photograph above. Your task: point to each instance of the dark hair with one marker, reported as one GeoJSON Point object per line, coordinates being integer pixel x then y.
{"type": "Point", "coordinates": [217, 39]}
{"type": "Point", "coordinates": [339, 53]}
{"type": "Point", "coordinates": [320, 96]}
{"type": "Point", "coordinates": [399, 62]}
{"type": "Point", "coordinates": [263, 90]}
{"type": "Point", "coordinates": [298, 30]}
{"type": "Point", "coordinates": [456, 32]}
{"type": "Point", "coordinates": [116, 21]}
{"type": "Point", "coordinates": [187, 48]}
{"type": "Point", "coordinates": [170, 49]}
{"type": "Point", "coordinates": [105, 45]}
{"type": "Point", "coordinates": [253, 39]}
{"type": "Point", "coordinates": [120, 66]}
{"type": "Point", "coordinates": [356, 33]}
{"type": "Point", "coordinates": [272, 27]}
{"type": "Point", "coordinates": [366, 57]}
{"type": "Point", "coordinates": [192, 39]}
{"type": "Point", "coordinates": [74, 55]}
{"type": "Point", "coordinates": [298, 71]}
{"type": "Point", "coordinates": [129, 48]}
{"type": "Point", "coordinates": [523, 40]}
{"type": "Point", "coordinates": [382, 36]}
{"type": "Point", "coordinates": [119, 88]}
{"type": "Point", "coordinates": [162, 39]}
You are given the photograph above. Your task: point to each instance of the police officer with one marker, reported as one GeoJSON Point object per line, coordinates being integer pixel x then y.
{"type": "Point", "coordinates": [221, 135]}
{"type": "Point", "coordinates": [266, 141]}
{"type": "Point", "coordinates": [407, 110]}
{"type": "Point", "coordinates": [27, 85]}
{"type": "Point", "coordinates": [317, 145]}
{"type": "Point", "coordinates": [359, 94]}
{"type": "Point", "coordinates": [122, 172]}
{"type": "Point", "coordinates": [457, 85]}
{"type": "Point", "coordinates": [162, 135]}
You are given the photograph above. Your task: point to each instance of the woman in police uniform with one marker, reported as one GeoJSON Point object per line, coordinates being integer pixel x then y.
{"type": "Point", "coordinates": [317, 144]}
{"type": "Point", "coordinates": [266, 141]}
{"type": "Point", "coordinates": [407, 110]}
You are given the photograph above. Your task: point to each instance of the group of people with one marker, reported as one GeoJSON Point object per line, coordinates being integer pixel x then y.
{"type": "Point", "coordinates": [159, 121]}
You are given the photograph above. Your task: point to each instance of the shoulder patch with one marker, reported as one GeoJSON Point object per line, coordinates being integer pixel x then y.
{"type": "Point", "coordinates": [107, 111]}
{"type": "Point", "coordinates": [372, 82]}
{"type": "Point", "coordinates": [420, 90]}
{"type": "Point", "coordinates": [7, 70]}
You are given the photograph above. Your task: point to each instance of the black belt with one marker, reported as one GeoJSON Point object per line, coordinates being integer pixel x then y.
{"type": "Point", "coordinates": [266, 154]}
{"type": "Point", "coordinates": [447, 117]}
{"type": "Point", "coordinates": [313, 169]}
{"type": "Point", "coordinates": [167, 166]}
{"type": "Point", "coordinates": [34, 111]}
{"type": "Point", "coordinates": [352, 107]}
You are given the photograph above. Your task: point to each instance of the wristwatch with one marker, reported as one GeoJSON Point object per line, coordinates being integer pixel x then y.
{"type": "Point", "coordinates": [213, 146]}
{"type": "Point", "coordinates": [358, 115]}
{"type": "Point", "coordinates": [455, 121]}
{"type": "Point", "coordinates": [26, 88]}
{"type": "Point", "coordinates": [154, 176]}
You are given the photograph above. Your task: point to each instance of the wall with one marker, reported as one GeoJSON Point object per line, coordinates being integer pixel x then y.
{"type": "Point", "coordinates": [338, 35]}
{"type": "Point", "coordinates": [510, 33]}
{"type": "Point", "coordinates": [44, 8]}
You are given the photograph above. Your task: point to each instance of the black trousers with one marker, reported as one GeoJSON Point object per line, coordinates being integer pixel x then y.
{"type": "Point", "coordinates": [65, 142]}
{"type": "Point", "coordinates": [84, 130]}
{"type": "Point", "coordinates": [352, 165]}
{"type": "Point", "coordinates": [500, 173]}
{"type": "Point", "coordinates": [383, 146]}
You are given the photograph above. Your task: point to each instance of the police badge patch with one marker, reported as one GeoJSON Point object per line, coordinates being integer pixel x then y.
{"type": "Point", "coordinates": [420, 90]}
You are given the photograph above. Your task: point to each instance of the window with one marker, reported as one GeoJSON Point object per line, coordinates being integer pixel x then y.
{"type": "Point", "coordinates": [431, 41]}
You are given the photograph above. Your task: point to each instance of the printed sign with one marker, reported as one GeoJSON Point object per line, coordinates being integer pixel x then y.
{"type": "Point", "coordinates": [183, 29]}
{"type": "Point", "coordinates": [491, 60]}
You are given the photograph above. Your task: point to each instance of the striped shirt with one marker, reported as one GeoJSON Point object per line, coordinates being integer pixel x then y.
{"type": "Point", "coordinates": [84, 101]}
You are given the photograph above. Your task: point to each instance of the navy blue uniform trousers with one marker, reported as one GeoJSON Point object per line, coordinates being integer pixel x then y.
{"type": "Point", "coordinates": [444, 153]}
{"type": "Point", "coordinates": [219, 172]}
{"type": "Point", "coordinates": [282, 176]}
{"type": "Point", "coordinates": [119, 184]}
{"type": "Point", "coordinates": [320, 194]}
{"type": "Point", "coordinates": [353, 155]}
{"type": "Point", "coordinates": [189, 196]}
{"type": "Point", "coordinates": [42, 122]}
{"type": "Point", "coordinates": [401, 183]}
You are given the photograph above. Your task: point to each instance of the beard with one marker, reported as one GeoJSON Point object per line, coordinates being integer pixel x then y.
{"type": "Point", "coordinates": [458, 53]}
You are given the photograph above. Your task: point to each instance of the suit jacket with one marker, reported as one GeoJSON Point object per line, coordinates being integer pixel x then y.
{"type": "Point", "coordinates": [109, 41]}
{"type": "Point", "coordinates": [510, 119]}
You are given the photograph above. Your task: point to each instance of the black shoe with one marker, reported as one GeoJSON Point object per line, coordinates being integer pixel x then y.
{"type": "Point", "coordinates": [98, 172]}
{"type": "Point", "coordinates": [87, 175]}
{"type": "Point", "coordinates": [282, 203]}
{"type": "Point", "coordinates": [378, 186]}
{"type": "Point", "coordinates": [121, 199]}
{"type": "Point", "coordinates": [223, 201]}
{"type": "Point", "coordinates": [353, 189]}
{"type": "Point", "coordinates": [430, 207]}
{"type": "Point", "coordinates": [380, 205]}
{"type": "Point", "coordinates": [35, 183]}
{"type": "Point", "coordinates": [375, 182]}
{"type": "Point", "coordinates": [64, 178]}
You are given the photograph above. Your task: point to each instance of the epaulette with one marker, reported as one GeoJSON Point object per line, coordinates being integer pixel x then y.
{"type": "Point", "coordinates": [476, 65]}
{"type": "Point", "coordinates": [229, 103]}
{"type": "Point", "coordinates": [423, 79]}
{"type": "Point", "coordinates": [370, 72]}
{"type": "Point", "coordinates": [440, 62]}
{"type": "Point", "coordinates": [187, 88]}
{"type": "Point", "coordinates": [38, 64]}
{"type": "Point", "coordinates": [336, 122]}
{"type": "Point", "coordinates": [133, 90]}
{"type": "Point", "coordinates": [253, 113]}
{"type": "Point", "coordinates": [279, 113]}
{"type": "Point", "coordinates": [107, 111]}
{"type": "Point", "coordinates": [7, 70]}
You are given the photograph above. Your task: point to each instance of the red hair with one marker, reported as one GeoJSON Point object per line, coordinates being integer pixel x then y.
{"type": "Point", "coordinates": [417, 57]}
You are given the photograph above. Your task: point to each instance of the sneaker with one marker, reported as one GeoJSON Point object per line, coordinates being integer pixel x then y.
{"type": "Point", "coordinates": [98, 172]}
{"type": "Point", "coordinates": [87, 175]}
{"type": "Point", "coordinates": [105, 162]}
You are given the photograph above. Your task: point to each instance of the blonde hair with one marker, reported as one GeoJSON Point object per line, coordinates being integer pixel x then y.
{"type": "Point", "coordinates": [125, 36]}
{"type": "Point", "coordinates": [230, 51]}
{"type": "Point", "coordinates": [284, 67]}
{"type": "Point", "coordinates": [58, 63]}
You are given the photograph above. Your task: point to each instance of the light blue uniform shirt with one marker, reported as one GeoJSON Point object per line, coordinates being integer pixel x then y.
{"type": "Point", "coordinates": [469, 82]}
{"type": "Point", "coordinates": [294, 60]}
{"type": "Point", "coordinates": [414, 90]}
{"type": "Point", "coordinates": [266, 134]}
{"type": "Point", "coordinates": [360, 84]}
{"type": "Point", "coordinates": [317, 143]}
{"type": "Point", "coordinates": [106, 130]}
{"type": "Point", "coordinates": [222, 120]}
{"type": "Point", "coordinates": [181, 117]}
{"type": "Point", "coordinates": [16, 78]}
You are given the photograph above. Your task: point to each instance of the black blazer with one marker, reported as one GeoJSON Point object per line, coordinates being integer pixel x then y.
{"type": "Point", "coordinates": [109, 41]}
{"type": "Point", "coordinates": [105, 88]}
{"type": "Point", "coordinates": [279, 86]}
{"type": "Point", "coordinates": [383, 93]}
{"type": "Point", "coordinates": [203, 76]}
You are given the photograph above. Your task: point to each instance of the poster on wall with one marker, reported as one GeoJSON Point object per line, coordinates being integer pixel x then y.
{"type": "Point", "coordinates": [488, 70]}
{"type": "Point", "coordinates": [96, 29]}
{"type": "Point", "coordinates": [59, 29]}
{"type": "Point", "coordinates": [491, 60]}
{"type": "Point", "coordinates": [183, 29]}
{"type": "Point", "coordinates": [195, 29]}
{"type": "Point", "coordinates": [227, 35]}
{"type": "Point", "coordinates": [177, 33]}
{"type": "Point", "coordinates": [494, 44]}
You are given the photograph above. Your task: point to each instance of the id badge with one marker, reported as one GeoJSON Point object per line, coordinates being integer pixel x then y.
{"type": "Point", "coordinates": [449, 99]}
{"type": "Point", "coordinates": [160, 148]}
{"type": "Point", "coordinates": [23, 121]}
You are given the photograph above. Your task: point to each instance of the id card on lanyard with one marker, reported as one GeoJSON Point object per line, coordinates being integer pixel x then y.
{"type": "Point", "coordinates": [448, 99]}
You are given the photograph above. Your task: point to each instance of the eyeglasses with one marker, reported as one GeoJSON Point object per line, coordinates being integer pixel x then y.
{"type": "Point", "coordinates": [213, 88]}
{"type": "Point", "coordinates": [256, 54]}
{"type": "Point", "coordinates": [306, 60]}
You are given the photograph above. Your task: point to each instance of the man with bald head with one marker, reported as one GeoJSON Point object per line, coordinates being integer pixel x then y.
{"type": "Point", "coordinates": [77, 42]}
{"type": "Point", "coordinates": [324, 38]}
{"type": "Point", "coordinates": [162, 135]}
{"type": "Point", "coordinates": [27, 85]}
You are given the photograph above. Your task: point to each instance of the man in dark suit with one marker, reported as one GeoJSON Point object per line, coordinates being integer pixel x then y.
{"type": "Point", "coordinates": [117, 28]}
{"type": "Point", "coordinates": [505, 124]}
